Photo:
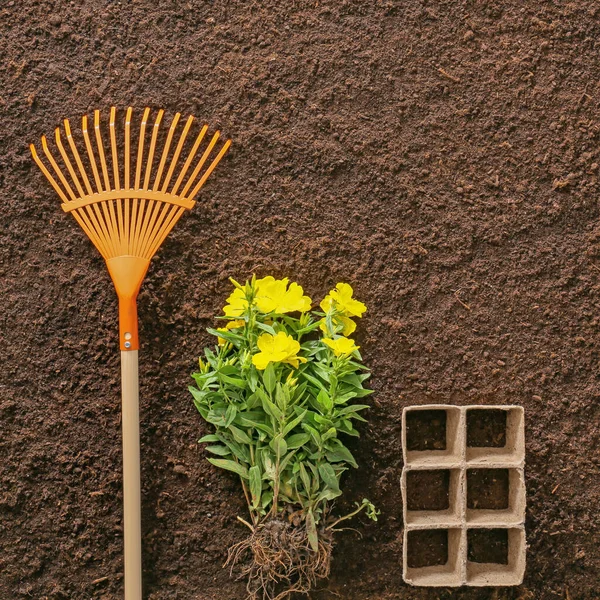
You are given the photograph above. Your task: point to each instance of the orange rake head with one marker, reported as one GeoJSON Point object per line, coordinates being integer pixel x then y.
{"type": "Point", "coordinates": [127, 210]}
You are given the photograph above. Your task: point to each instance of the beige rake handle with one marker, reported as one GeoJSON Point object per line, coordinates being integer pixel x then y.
{"type": "Point", "coordinates": [127, 208]}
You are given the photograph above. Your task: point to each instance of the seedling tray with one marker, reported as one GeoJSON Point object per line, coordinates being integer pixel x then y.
{"type": "Point", "coordinates": [468, 529]}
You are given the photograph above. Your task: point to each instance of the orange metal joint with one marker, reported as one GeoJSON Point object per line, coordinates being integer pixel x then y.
{"type": "Point", "coordinates": [127, 274]}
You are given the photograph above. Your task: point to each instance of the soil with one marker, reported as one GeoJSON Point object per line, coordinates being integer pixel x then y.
{"type": "Point", "coordinates": [426, 430]}
{"type": "Point", "coordinates": [442, 157]}
{"type": "Point", "coordinates": [428, 490]}
{"type": "Point", "coordinates": [487, 488]}
{"type": "Point", "coordinates": [486, 428]}
{"type": "Point", "coordinates": [427, 548]}
{"type": "Point", "coordinates": [488, 546]}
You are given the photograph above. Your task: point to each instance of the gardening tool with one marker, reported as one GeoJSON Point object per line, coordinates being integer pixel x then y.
{"type": "Point", "coordinates": [127, 210]}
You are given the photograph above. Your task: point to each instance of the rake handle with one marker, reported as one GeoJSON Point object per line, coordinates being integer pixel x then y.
{"type": "Point", "coordinates": [132, 527]}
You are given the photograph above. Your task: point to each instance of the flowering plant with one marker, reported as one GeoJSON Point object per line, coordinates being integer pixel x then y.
{"type": "Point", "coordinates": [279, 389]}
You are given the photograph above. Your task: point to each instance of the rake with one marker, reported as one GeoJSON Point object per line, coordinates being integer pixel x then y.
{"type": "Point", "coordinates": [127, 205]}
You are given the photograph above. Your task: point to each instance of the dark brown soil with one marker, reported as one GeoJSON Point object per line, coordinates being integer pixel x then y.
{"type": "Point", "coordinates": [486, 428]}
{"type": "Point", "coordinates": [427, 548]}
{"type": "Point", "coordinates": [487, 488]}
{"type": "Point", "coordinates": [426, 430]}
{"type": "Point", "coordinates": [428, 490]}
{"type": "Point", "coordinates": [443, 157]}
{"type": "Point", "coordinates": [488, 546]}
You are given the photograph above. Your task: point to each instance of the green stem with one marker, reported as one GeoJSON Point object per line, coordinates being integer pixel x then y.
{"type": "Point", "coordinates": [348, 516]}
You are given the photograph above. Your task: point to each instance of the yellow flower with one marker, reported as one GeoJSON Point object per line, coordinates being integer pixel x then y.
{"type": "Point", "coordinates": [230, 325]}
{"type": "Point", "coordinates": [273, 295]}
{"type": "Point", "coordinates": [341, 346]}
{"type": "Point", "coordinates": [339, 320]}
{"type": "Point", "coordinates": [236, 304]}
{"type": "Point", "coordinates": [341, 298]}
{"type": "Point", "coordinates": [277, 348]}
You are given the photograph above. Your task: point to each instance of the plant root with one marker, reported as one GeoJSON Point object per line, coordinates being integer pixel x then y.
{"type": "Point", "coordinates": [277, 560]}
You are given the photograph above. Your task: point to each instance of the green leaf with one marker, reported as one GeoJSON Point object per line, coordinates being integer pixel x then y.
{"type": "Point", "coordinates": [269, 464]}
{"type": "Point", "coordinates": [314, 381]}
{"type": "Point", "coordinates": [313, 433]}
{"type": "Point", "coordinates": [252, 378]}
{"type": "Point", "coordinates": [255, 477]}
{"type": "Point", "coordinates": [266, 328]}
{"type": "Point", "coordinates": [330, 433]}
{"type": "Point", "coordinates": [311, 530]}
{"type": "Point", "coordinates": [216, 416]}
{"type": "Point", "coordinates": [305, 477]}
{"type": "Point", "coordinates": [269, 378]}
{"type": "Point", "coordinates": [350, 409]}
{"type": "Point", "coordinates": [329, 477]}
{"type": "Point", "coordinates": [211, 437]}
{"type": "Point", "coordinates": [268, 406]}
{"type": "Point", "coordinates": [328, 494]}
{"type": "Point", "coordinates": [278, 445]}
{"type": "Point", "coordinates": [226, 335]}
{"type": "Point", "coordinates": [239, 435]}
{"type": "Point", "coordinates": [230, 414]}
{"type": "Point", "coordinates": [325, 401]}
{"type": "Point", "coordinates": [341, 454]}
{"type": "Point", "coordinates": [230, 465]}
{"type": "Point", "coordinates": [297, 440]}
{"type": "Point", "coordinates": [235, 381]}
{"type": "Point", "coordinates": [267, 498]}
{"type": "Point", "coordinates": [290, 426]}
{"type": "Point", "coordinates": [220, 450]}
{"type": "Point", "coordinates": [285, 460]}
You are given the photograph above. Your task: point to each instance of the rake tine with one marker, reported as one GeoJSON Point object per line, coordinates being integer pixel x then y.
{"type": "Point", "coordinates": [56, 169]}
{"type": "Point", "coordinates": [140, 155]}
{"type": "Point", "coordinates": [81, 218]}
{"type": "Point", "coordinates": [101, 149]}
{"type": "Point", "coordinates": [144, 225]}
{"type": "Point", "coordinates": [154, 229]}
{"type": "Point", "coordinates": [71, 141]}
{"type": "Point", "coordinates": [165, 220]}
{"type": "Point", "coordinates": [67, 162]}
{"type": "Point", "coordinates": [127, 145]}
{"type": "Point", "coordinates": [189, 160]}
{"type": "Point", "coordinates": [166, 151]}
{"type": "Point", "coordinates": [177, 153]}
{"type": "Point", "coordinates": [88, 147]}
{"type": "Point", "coordinates": [115, 160]}
{"type": "Point", "coordinates": [45, 171]}
{"type": "Point", "coordinates": [210, 169]}
{"type": "Point", "coordinates": [170, 224]}
{"type": "Point", "coordinates": [152, 147]}
{"type": "Point", "coordinates": [147, 231]}
{"type": "Point", "coordinates": [127, 155]}
{"type": "Point", "coordinates": [201, 162]}
{"type": "Point", "coordinates": [113, 145]}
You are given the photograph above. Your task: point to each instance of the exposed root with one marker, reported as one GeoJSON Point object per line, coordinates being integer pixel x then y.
{"type": "Point", "coordinates": [277, 560]}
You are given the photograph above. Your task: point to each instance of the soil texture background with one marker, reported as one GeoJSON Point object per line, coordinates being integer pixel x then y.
{"type": "Point", "coordinates": [442, 157]}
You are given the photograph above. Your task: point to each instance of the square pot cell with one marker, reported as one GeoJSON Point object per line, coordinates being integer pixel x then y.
{"type": "Point", "coordinates": [495, 497]}
{"type": "Point", "coordinates": [495, 434]}
{"type": "Point", "coordinates": [495, 556]}
{"type": "Point", "coordinates": [432, 435]}
{"type": "Point", "coordinates": [487, 546]}
{"type": "Point", "coordinates": [432, 557]}
{"type": "Point", "coordinates": [432, 496]}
